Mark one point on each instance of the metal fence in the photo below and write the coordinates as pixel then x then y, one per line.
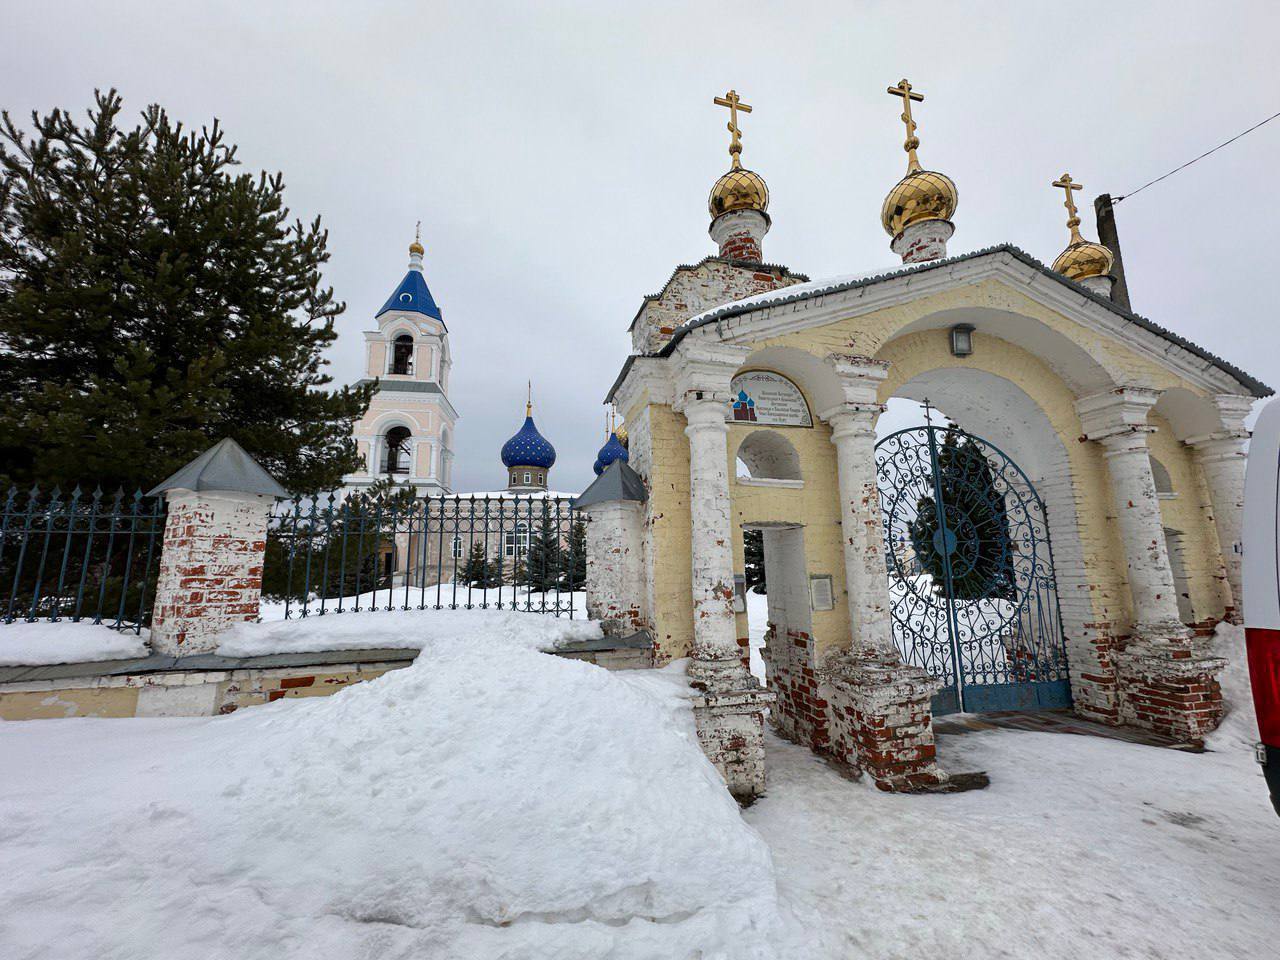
pixel 402 552
pixel 78 557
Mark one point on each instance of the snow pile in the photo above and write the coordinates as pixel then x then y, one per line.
pixel 399 630
pixel 25 644
pixel 489 801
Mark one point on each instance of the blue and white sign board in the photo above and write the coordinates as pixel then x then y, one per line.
pixel 769 399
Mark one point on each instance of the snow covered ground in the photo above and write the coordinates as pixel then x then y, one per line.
pixel 1081 847
pixel 492 801
pixel 25 644
pixel 489 801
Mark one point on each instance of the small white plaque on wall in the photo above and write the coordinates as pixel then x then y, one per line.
pixel 821 595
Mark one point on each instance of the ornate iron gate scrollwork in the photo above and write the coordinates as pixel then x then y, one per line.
pixel 973 596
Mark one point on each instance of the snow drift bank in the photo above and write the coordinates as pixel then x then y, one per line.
pixel 488 801
pixel 399 630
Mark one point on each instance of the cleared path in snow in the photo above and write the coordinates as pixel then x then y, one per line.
pixel 1080 848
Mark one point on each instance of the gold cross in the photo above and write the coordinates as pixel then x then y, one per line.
pixel 734 103
pixel 1073 221
pixel 417 232
pixel 903 90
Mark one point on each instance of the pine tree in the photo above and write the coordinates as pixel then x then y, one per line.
pixel 753 553
pixel 542 565
pixel 573 566
pixel 982 554
pixel 154 300
pixel 478 570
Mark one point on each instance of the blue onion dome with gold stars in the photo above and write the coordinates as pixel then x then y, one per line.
pixel 611 451
pixel 528 448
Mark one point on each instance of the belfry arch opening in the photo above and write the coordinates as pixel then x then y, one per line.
pixel 767 455
pixel 398 453
pixel 402 355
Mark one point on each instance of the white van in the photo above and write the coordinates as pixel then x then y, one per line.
pixel 1261 544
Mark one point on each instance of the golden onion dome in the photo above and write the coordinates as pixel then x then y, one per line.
pixel 739 189
pixel 417 248
pixel 1083 260
pixel 920 195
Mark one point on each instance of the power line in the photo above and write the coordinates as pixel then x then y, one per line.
pixel 1201 157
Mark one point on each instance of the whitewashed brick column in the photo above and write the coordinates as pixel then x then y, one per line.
pixel 853 431
pixel 854 435
pixel 1118 421
pixel 210 568
pixel 717 659
pixel 1166 679
pixel 1221 456
pixel 879 709
pixel 1151 586
pixel 615 571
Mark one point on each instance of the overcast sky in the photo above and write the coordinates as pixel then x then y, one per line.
pixel 559 155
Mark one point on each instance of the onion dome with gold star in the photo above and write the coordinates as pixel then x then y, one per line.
pixel 740 188
pixel 613 448
pixel 528 448
pixel 921 194
pixel 1083 259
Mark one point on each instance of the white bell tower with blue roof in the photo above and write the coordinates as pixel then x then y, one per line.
pixel 407 433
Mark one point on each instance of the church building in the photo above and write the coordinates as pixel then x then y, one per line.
pixel 406 435
pixel 1064 534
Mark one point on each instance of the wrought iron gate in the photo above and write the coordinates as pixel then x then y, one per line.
pixel 973 595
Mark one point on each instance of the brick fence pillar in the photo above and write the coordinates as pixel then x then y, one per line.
pixel 615 571
pixel 214 540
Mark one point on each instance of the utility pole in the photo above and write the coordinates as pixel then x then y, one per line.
pixel 1104 210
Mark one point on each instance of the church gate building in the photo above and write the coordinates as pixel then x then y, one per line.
pixel 1062 532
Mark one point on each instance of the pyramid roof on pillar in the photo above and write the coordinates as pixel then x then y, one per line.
pixel 414 296
pixel 618 482
pixel 1008 254
pixel 225 467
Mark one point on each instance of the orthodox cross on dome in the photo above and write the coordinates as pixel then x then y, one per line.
pixel 903 90
pixel 734 103
pixel 528 403
pixel 1073 221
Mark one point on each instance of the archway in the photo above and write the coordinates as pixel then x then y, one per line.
pixel 973 598
pixel 1004 415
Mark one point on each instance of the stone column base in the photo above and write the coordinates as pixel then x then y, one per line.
pixel 731 734
pixel 1170 688
pixel 881 721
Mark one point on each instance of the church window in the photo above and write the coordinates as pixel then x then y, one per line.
pixel 402 354
pixel 516 542
pixel 528 477
pixel 457 548
pixel 541 477
pixel 398 451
